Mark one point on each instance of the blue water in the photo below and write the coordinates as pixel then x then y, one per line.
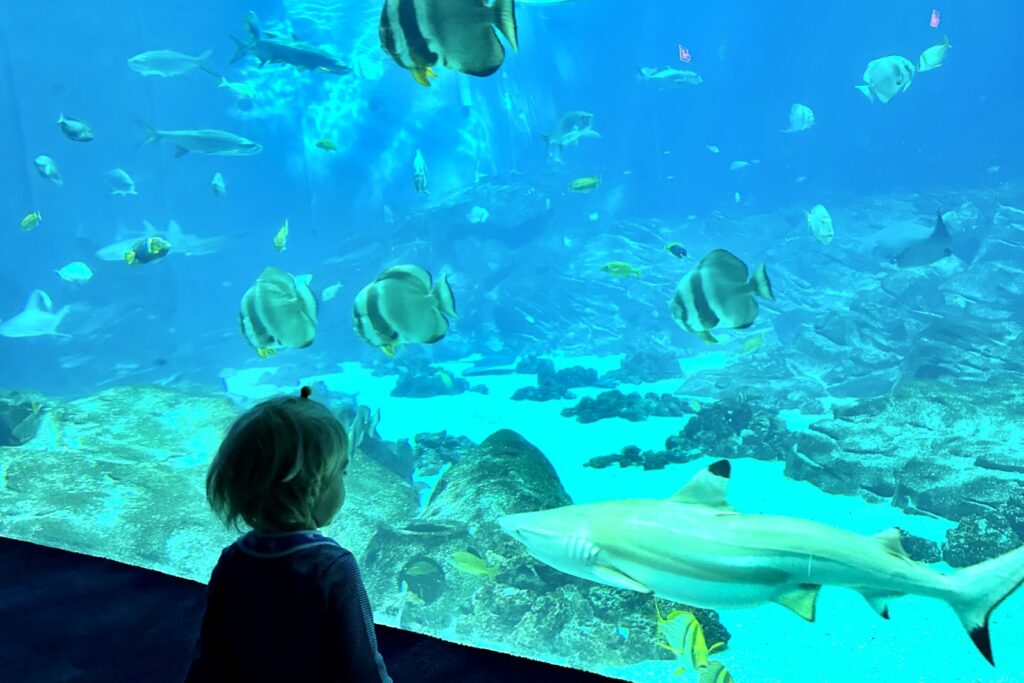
pixel 756 61
pixel 528 279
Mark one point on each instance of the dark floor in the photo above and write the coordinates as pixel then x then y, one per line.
pixel 73 618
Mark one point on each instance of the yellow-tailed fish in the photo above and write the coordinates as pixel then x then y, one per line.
pixel 620 269
pixel 684 636
pixel 716 673
pixel 752 344
pixel 585 184
pixel 281 238
pixel 327 145
pixel 31 221
pixel 265 352
pixel 471 564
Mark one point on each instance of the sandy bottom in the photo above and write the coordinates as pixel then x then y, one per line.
pixel 923 640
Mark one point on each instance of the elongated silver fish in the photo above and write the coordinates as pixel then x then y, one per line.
pixel 168 63
pixel 275 49
pixel 202 141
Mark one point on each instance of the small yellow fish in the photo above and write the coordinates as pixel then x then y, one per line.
pixel 694 405
pixel 585 184
pixel 684 636
pixel 620 269
pixel 265 352
pixel 327 145
pixel 31 221
pixel 473 565
pixel 752 344
pixel 281 238
pixel 716 673
pixel 446 379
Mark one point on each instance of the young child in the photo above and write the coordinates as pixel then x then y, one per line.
pixel 284 603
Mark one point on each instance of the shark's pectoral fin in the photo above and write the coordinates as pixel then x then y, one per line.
pixel 801 600
pixel 879 602
pixel 708 487
pixel 892 539
pixel 613 577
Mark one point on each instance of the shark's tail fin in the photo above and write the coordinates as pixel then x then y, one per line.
pixel 152 134
pixel 979 589
pixel 241 50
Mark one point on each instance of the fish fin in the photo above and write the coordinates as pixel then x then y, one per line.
pixel 941 231
pixel 892 540
pixel 444 297
pixel 152 134
pixel 707 487
pixel 389 349
pixel 421 76
pixel 505 20
pixel 762 286
pixel 979 589
pixel 880 602
pixel 201 62
pixel 707 337
pixel 614 577
pixel 945 41
pixel 39 300
pixel 801 600
pixel 180 152
pixel 241 49
pixel 868 93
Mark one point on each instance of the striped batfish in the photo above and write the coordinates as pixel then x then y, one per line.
pixel 719 292
pixel 278 311
pixel 403 305
pixel 458 34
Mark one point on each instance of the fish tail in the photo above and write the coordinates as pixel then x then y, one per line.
pixel 201 61
pixel 760 283
pixel 241 49
pixel 444 297
pixel 505 20
pixel 152 134
pixel 867 92
pixel 977 590
pixel 945 41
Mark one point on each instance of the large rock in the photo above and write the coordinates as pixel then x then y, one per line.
pixel 20 415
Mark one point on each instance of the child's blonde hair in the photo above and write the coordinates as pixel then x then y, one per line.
pixel 274 462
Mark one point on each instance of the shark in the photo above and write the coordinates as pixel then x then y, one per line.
pixel 695 549
pixel 278 49
pixel 938 245
pixel 36 320
pixel 182 243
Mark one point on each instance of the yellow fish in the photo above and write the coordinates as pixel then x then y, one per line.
pixel 31 221
pixel 585 184
pixel 752 344
pixel 446 379
pixel 281 238
pixel 471 564
pixel 716 673
pixel 620 269
pixel 265 352
pixel 327 145
pixel 684 636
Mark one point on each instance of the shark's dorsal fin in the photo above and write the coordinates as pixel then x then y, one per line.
pixel 891 539
pixel 708 487
pixel 941 232
pixel 39 300
pixel 802 600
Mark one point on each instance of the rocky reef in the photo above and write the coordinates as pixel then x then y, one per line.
pixel 20 416
pixel 643 365
pixel 551 384
pixel 634 407
pixel 419 379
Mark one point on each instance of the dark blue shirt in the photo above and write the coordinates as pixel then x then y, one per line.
pixel 287 607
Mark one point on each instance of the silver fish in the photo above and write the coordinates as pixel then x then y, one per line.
pixel 275 49
pixel 203 141
pixel 168 63
pixel 75 129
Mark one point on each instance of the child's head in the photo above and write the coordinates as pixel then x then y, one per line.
pixel 280 467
